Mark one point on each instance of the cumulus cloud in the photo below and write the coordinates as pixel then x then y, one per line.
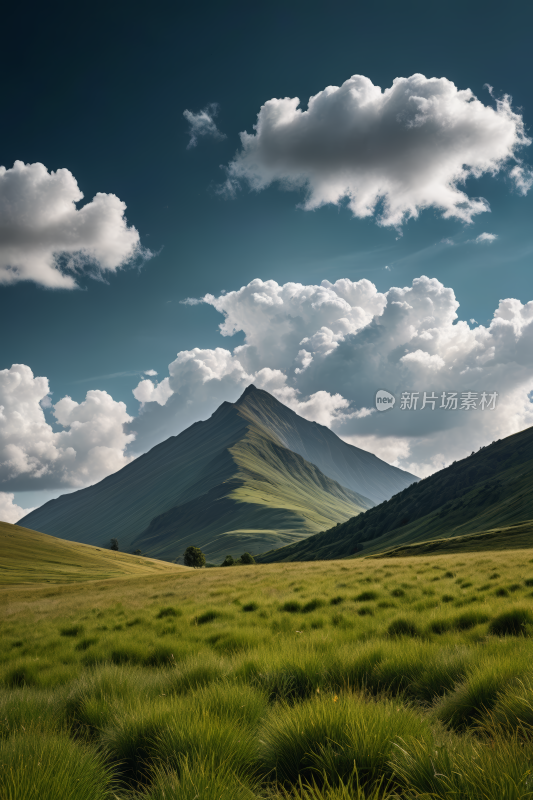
pixel 89 444
pixel 203 124
pixel 326 349
pixel 45 238
pixel 9 510
pixel 404 149
pixel 485 238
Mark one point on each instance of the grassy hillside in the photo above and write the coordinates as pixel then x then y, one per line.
pixel 32 557
pixel 489 489
pixel 514 537
pixel 273 681
pixel 254 476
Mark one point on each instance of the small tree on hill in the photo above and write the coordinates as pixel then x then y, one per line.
pixel 247 558
pixel 229 561
pixel 114 544
pixel 193 557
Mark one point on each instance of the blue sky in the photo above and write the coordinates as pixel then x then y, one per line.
pixel 102 92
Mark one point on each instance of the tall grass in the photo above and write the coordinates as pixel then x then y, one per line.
pixel 328 737
pixel 271 683
pixel 50 766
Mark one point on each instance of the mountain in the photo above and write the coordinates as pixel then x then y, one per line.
pixel 32 557
pixel 489 492
pixel 254 476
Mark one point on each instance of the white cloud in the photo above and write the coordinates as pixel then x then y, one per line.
pixel 46 239
pixel 9 510
pixel 89 445
pixel 149 392
pixel 151 372
pixel 523 178
pixel 422 361
pixel 486 238
pixel 203 124
pixel 325 350
pixel 409 147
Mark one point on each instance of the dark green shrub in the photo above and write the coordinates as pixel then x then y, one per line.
pixel 440 626
pixel 511 623
pixel 169 612
pixel 84 644
pixel 193 557
pixel 73 630
pixel 250 607
pixel 292 606
pixel 501 592
pixel 229 561
pixel 23 675
pixel 366 597
pixel 403 627
pixel 207 616
pixel 247 558
pixel 469 620
pixel 335 601
pixel 312 605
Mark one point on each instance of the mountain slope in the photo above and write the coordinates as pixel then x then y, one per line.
pixel 32 557
pixel 224 483
pixel 273 497
pixel 358 470
pixel 489 489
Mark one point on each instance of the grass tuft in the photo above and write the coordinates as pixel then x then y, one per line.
pixel 403 627
pixel 511 623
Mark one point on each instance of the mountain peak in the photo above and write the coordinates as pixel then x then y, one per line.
pixel 248 391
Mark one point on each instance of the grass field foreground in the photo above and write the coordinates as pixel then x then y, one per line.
pixel 393 678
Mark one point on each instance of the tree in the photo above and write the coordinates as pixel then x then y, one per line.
pixel 247 558
pixel 114 544
pixel 229 561
pixel 137 553
pixel 193 557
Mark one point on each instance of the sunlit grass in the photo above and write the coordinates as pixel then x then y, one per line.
pixel 403 678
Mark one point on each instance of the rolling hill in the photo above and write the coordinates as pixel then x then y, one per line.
pixel 254 476
pixel 32 557
pixel 488 492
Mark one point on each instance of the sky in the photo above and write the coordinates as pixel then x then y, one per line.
pixel 324 199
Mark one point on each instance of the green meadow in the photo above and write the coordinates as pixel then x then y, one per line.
pixel 371 678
